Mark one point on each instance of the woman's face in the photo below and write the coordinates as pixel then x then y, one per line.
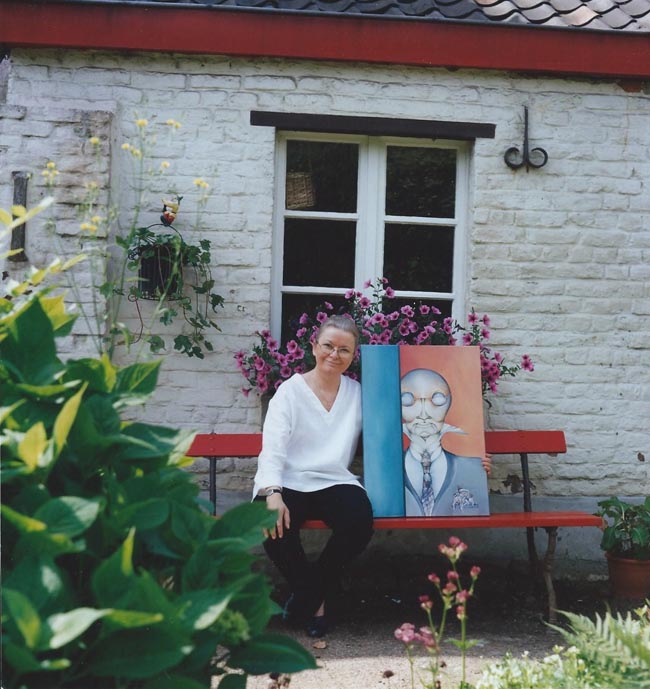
pixel 334 350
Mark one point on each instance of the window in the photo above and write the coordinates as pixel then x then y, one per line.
pixel 351 208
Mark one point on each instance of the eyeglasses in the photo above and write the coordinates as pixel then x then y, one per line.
pixel 343 352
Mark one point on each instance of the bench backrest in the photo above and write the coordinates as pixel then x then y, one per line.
pixel 496 443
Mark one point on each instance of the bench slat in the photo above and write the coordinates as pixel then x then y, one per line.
pixel 495 521
pixel 527 442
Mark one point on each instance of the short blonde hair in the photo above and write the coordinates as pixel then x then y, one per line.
pixel 340 322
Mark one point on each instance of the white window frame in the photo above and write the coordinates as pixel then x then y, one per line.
pixel 371 216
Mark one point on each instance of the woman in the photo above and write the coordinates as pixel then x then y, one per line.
pixel 309 439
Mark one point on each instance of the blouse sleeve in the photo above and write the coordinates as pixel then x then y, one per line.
pixel 275 439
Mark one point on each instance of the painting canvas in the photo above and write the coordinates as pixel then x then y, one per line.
pixel 423 431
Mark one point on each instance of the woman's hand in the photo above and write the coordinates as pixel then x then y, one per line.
pixel 275 502
pixel 487 463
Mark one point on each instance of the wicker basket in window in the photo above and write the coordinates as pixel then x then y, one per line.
pixel 300 191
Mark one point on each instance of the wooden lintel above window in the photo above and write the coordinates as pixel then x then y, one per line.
pixel 373 126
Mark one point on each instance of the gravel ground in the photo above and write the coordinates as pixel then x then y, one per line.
pixel 507 615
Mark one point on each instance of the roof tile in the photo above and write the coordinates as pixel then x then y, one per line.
pixel 605 15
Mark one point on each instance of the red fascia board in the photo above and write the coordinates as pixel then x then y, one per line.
pixel 194 29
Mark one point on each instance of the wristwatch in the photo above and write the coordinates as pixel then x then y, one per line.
pixel 270 491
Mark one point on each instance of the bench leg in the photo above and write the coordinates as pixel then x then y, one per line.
pixel 212 484
pixel 547 572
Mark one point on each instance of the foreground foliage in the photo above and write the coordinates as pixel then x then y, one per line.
pixel 113 574
pixel 609 652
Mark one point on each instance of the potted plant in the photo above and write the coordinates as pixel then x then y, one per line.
pixel 626 542
pixel 171 269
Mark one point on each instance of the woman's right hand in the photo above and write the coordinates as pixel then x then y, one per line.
pixel 275 502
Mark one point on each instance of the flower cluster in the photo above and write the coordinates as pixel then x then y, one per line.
pixel 452 594
pixel 269 363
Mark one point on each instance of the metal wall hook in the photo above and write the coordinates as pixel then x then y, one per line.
pixel 531 157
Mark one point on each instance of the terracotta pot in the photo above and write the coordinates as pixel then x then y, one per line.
pixel 629 578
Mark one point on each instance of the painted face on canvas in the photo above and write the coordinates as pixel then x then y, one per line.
pixel 425 399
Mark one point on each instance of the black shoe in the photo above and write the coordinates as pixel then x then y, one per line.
pixel 317 627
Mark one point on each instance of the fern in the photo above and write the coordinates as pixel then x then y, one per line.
pixel 616 649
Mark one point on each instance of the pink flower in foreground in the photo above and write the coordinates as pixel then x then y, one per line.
pixel 474 572
pixel 486 320
pixel 292 346
pixel 304 319
pixel 328 306
pixel 321 316
pixel 349 294
pixel 424 309
pixel 434 579
pixel 467 338
pixel 405 633
pixel 367 283
pixel 390 292
pixel 364 302
pixel 485 333
pixel 425 636
pixel 407 311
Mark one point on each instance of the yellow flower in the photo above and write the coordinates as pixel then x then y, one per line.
pixel 51 166
pixel 88 227
pixel 91 185
pixel 201 183
pixel 173 123
pixel 126 147
pixel 96 219
pixel 136 152
pixel 94 140
pixel 142 122
pixel 164 165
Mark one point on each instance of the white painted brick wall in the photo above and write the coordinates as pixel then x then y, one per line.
pixel 558 256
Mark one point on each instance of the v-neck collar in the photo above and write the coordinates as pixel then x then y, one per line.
pixel 314 396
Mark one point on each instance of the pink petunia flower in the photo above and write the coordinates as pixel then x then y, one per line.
pixel 527 363
pixel 390 292
pixel 472 318
pixel 367 283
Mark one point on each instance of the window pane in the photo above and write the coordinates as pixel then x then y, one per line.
pixel 318 253
pixel 322 176
pixel 420 182
pixel 294 305
pixel 419 257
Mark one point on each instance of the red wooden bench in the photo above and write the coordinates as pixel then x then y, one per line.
pixel 214 446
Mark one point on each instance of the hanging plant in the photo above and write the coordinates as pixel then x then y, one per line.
pixel 173 270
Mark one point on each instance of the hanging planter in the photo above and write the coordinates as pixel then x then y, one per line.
pixel 170 269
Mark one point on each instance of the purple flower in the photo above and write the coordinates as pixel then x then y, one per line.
pixel 472 318
pixel 367 283
pixel 292 345
pixel 364 302
pixel 486 319
pixel 285 371
pixel 304 319
pixel 300 332
pixel 424 309
pixel 485 333
pixel 390 292
pixel 328 306
pixel 349 294
pixel 384 281
pixel 393 316
pixel 404 329
pixel 407 311
pixel 321 317
pixel 526 363
pixel 467 339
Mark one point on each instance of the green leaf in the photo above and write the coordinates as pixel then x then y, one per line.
pixel 62 628
pixel 29 344
pixel 145 441
pixel 38 577
pixel 271 653
pixel 131 654
pixel 24 615
pixel 69 515
pixel 144 515
pixel 233 681
pixel 23 523
pixel 139 379
pixel 62 320
pixel 133 618
pixel 200 609
pixel 115 575
pixel 173 681
pixel 65 419
pixel 245 521
pixel 33 445
pixel 99 374
pixel 23 660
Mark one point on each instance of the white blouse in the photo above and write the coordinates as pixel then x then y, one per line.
pixel 304 446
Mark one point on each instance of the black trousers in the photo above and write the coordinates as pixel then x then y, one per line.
pixel 347 511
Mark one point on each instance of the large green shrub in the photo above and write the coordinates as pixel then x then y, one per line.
pixel 113 574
